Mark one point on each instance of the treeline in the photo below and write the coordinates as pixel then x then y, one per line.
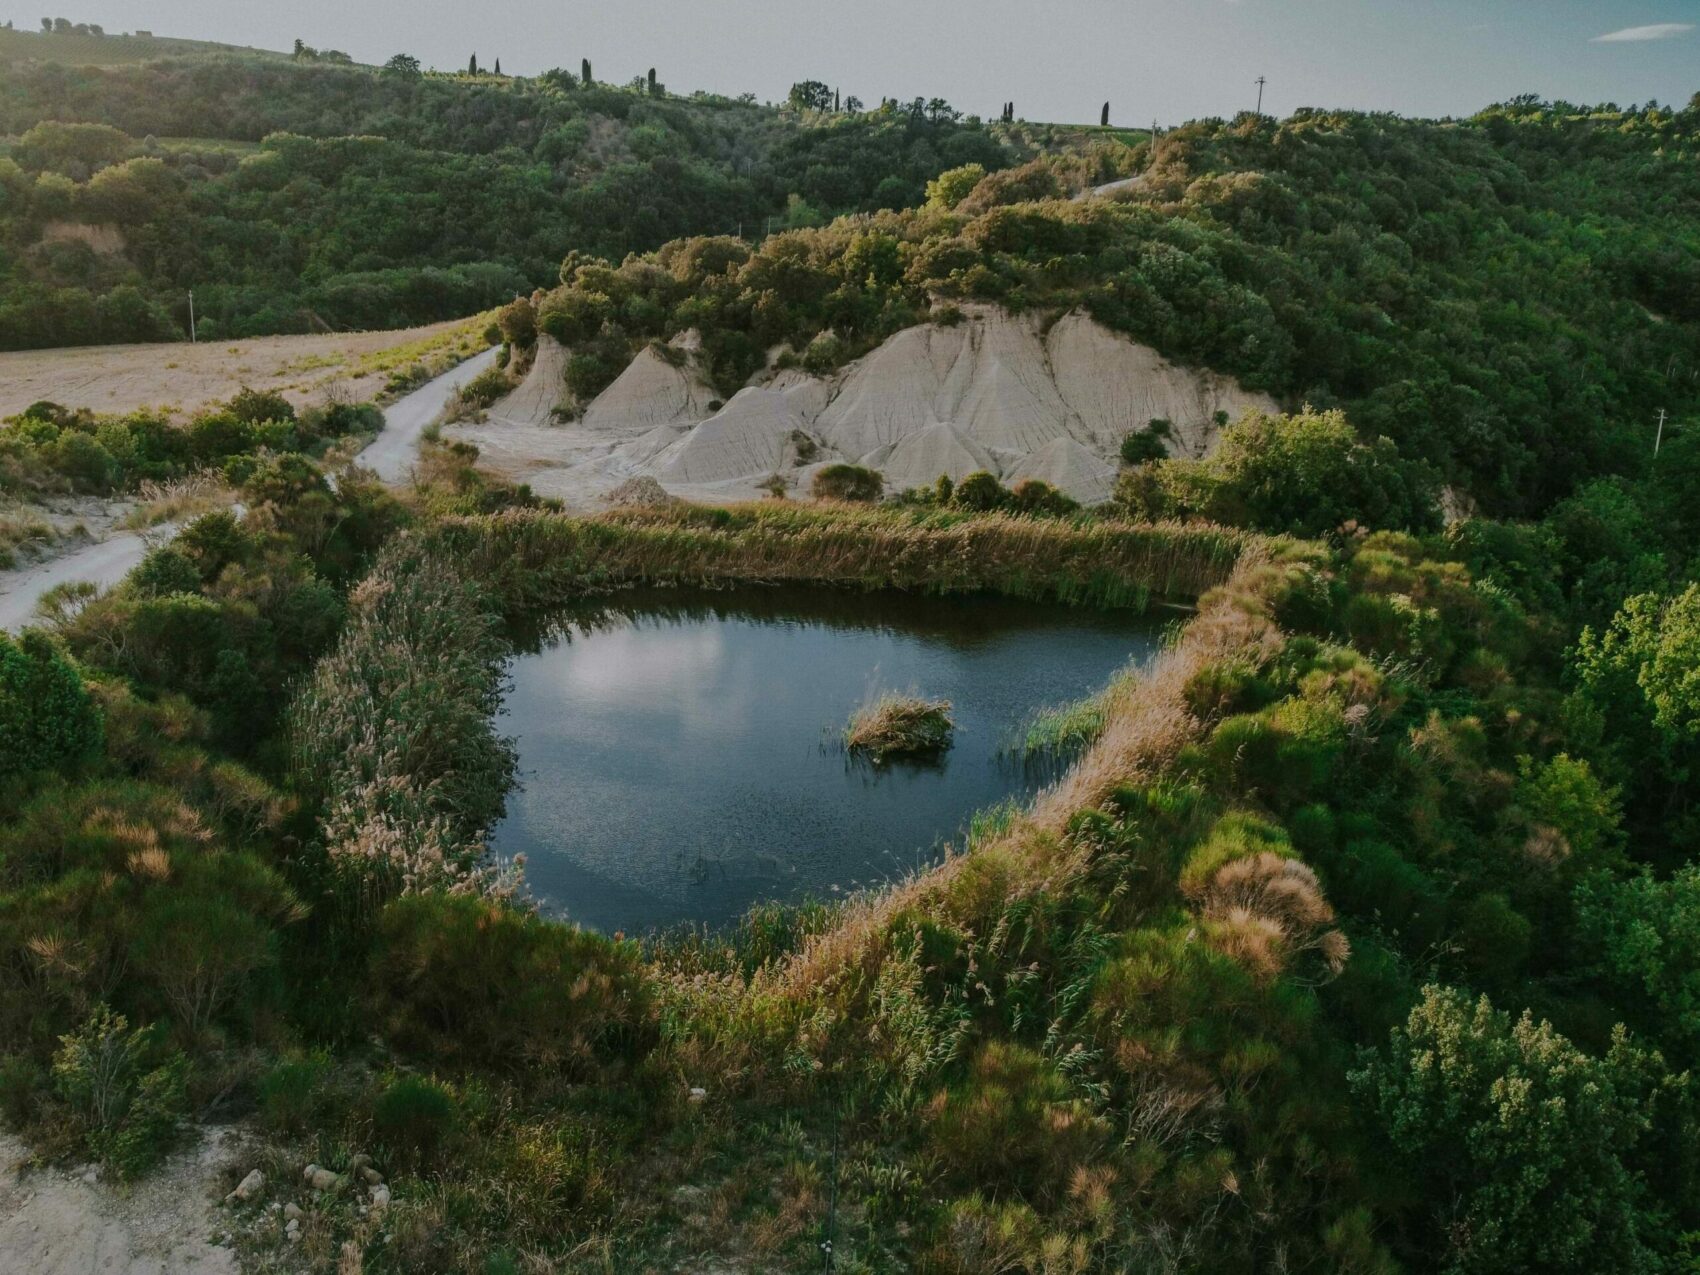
pixel 379 200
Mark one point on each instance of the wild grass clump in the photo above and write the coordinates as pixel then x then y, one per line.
pixel 897 725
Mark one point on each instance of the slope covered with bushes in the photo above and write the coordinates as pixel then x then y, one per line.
pixel 294 196
pixel 1510 298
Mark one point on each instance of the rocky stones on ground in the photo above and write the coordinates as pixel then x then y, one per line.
pixel 292 1212
pixel 250 1186
pixel 370 1176
pixel 320 1179
pixel 698 1094
pixel 380 1197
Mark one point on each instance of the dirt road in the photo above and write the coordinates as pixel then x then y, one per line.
pixel 108 561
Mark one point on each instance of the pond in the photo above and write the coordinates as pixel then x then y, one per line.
pixel 680 753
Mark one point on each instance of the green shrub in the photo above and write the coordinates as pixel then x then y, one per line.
pixel 847 482
pixel 23 1085
pixel 164 571
pixel 1013 1126
pixel 127 1095
pixel 414 1117
pixel 217 435
pixel 294 1093
pixel 1034 497
pixel 1528 1137
pixel 468 980
pixel 981 492
pixel 81 459
pixel 47 720
pixel 1144 445
pixel 255 406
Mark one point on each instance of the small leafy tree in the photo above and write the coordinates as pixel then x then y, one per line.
pixel 980 491
pixel 952 186
pixel 403 66
pixel 848 482
pixel 1527 1137
pixel 47 720
pixel 809 95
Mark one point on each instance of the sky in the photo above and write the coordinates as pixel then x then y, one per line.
pixel 1058 60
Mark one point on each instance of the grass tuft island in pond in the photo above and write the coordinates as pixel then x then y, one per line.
pixel 897 726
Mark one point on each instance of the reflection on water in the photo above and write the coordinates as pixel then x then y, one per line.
pixel 679 754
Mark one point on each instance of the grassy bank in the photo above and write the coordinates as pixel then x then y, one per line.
pixel 532 559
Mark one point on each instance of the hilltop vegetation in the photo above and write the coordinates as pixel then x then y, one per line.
pixel 1510 299
pixel 293 196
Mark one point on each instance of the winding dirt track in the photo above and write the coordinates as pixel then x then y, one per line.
pixel 108 561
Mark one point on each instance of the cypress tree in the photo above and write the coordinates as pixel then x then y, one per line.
pixel 584 72
pixel 1104 119
pixel 472 66
pixel 652 81
pixel 498 67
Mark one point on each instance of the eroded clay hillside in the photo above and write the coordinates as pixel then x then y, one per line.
pixel 992 391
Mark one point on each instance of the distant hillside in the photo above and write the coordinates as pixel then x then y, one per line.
pixel 383 199
pixel 111 49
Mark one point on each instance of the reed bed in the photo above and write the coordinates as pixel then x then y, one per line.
pixel 536 559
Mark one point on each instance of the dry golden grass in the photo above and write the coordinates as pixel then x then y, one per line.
pixel 897 725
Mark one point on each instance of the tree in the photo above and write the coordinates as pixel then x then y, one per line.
pixel 497 69
pixel 584 71
pixel 853 104
pixel 472 66
pixel 47 26
pixel 652 84
pixel 1104 117
pixel 1525 1138
pixel 848 482
pixel 952 186
pixel 47 721
pixel 809 95
pixel 403 66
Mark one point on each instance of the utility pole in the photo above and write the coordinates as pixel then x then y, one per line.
pixel 192 339
pixel 1260 95
pixel 1660 436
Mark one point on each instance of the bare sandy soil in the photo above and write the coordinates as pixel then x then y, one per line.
pixel 122 378
pixel 994 392
pixel 58 1223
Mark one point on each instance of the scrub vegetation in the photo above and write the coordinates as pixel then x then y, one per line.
pixel 1360 936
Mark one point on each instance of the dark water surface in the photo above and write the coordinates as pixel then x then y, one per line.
pixel 680 756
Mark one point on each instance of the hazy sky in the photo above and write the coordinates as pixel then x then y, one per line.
pixel 1058 59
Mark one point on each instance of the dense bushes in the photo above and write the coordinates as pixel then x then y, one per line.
pixel 1303 475
pixel 337 195
pixel 471 981
pixel 393 735
pixel 49 446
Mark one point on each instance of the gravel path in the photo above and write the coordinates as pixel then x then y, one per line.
pixel 55 1223
pixel 391 453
